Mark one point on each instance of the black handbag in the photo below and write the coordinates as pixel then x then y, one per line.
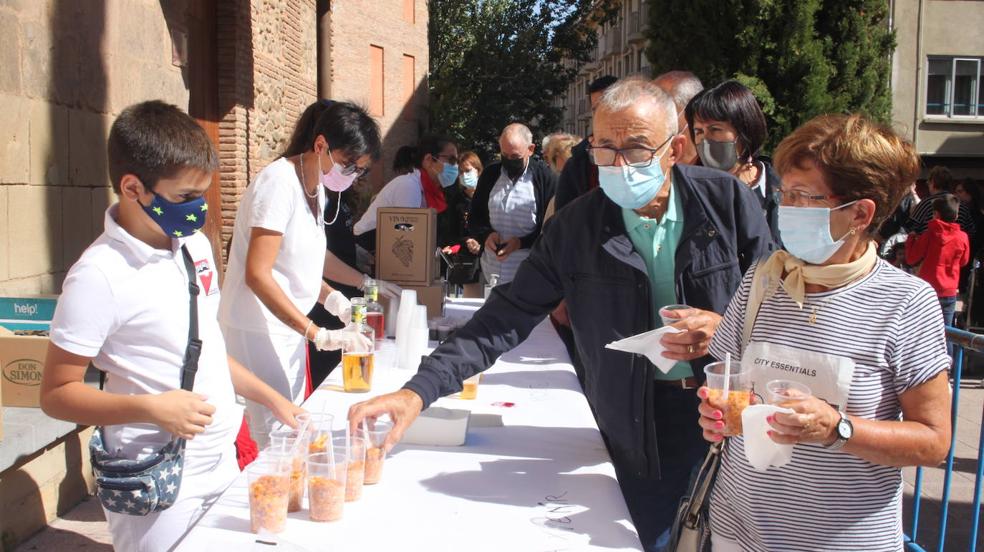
pixel 150 485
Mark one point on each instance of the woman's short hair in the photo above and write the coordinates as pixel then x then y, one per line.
pixel 472 159
pixel 559 146
pixel 942 178
pixel 859 159
pixel 349 128
pixel 733 103
pixel 403 159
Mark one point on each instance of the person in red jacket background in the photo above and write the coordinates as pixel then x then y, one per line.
pixel 942 249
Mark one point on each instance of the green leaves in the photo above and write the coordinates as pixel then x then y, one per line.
pixel 497 61
pixel 802 58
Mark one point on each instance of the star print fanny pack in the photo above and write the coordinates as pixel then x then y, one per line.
pixel 142 487
pixel 137 487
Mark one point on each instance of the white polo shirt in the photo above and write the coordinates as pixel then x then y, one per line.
pixel 275 201
pixel 125 305
pixel 403 191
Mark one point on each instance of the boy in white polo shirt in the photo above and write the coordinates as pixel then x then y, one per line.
pixel 125 307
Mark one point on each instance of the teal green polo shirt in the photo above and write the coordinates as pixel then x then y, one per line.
pixel 656 242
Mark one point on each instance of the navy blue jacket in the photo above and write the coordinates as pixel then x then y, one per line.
pixel 585 257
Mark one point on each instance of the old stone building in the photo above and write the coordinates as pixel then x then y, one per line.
pixel 244 69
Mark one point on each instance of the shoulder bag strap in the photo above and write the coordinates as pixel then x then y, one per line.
pixel 194 348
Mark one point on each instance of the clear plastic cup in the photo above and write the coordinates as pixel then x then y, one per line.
pixel 469 387
pixel 782 391
pixel 269 482
pixel 666 319
pixel 739 393
pixel 293 446
pixel 319 432
pixel 355 451
pixel 376 434
pixel 326 485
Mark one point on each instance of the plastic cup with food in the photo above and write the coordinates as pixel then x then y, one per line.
pixel 354 449
pixel 782 391
pixel 269 481
pixel 376 434
pixel 326 485
pixel 739 393
pixel 293 445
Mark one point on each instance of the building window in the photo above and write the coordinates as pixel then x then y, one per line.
pixel 954 87
pixel 408 11
pixel 376 89
pixel 409 85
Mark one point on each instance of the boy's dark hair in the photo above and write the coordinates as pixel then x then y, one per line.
pixel 947 207
pixel 154 140
pixel 941 178
pixel 348 128
pixel 731 102
pixel 600 84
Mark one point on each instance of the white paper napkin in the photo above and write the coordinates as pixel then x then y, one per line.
pixel 647 344
pixel 761 451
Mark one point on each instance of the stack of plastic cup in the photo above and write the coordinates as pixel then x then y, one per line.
pixel 404 320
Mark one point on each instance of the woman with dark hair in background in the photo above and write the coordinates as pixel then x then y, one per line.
pixel 274 275
pixel 728 128
pixel 403 160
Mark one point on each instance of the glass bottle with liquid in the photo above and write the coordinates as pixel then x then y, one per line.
pixel 357 366
pixel 374 311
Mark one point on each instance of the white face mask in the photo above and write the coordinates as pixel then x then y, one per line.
pixel 805 232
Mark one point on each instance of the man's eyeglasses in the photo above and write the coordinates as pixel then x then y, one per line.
pixel 637 156
pixel 799 198
pixel 450 159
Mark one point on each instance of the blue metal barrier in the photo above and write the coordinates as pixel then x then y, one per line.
pixel 961 340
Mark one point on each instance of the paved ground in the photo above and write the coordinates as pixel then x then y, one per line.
pixel 84 528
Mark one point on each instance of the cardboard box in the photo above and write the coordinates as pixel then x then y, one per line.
pixel 406 246
pixel 22 357
pixel 474 291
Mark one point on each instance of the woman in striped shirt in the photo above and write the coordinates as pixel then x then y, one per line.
pixel 865 337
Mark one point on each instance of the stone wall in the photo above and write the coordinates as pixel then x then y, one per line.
pixel 267 76
pixel 66 69
pixel 353 30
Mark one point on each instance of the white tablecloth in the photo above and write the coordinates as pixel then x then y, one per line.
pixel 532 476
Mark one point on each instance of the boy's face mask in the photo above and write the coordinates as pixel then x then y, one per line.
pixel 177 220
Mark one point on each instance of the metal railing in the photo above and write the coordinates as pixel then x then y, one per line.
pixel 961 341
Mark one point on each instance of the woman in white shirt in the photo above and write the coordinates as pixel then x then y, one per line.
pixel 277 258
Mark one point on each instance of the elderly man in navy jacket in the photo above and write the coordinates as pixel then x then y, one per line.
pixel 655 233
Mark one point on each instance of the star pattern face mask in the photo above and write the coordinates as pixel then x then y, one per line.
pixel 178 220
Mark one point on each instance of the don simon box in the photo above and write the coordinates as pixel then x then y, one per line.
pixel 406 246
pixel 22 356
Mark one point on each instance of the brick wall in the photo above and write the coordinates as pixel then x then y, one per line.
pixel 354 29
pixel 267 76
pixel 66 69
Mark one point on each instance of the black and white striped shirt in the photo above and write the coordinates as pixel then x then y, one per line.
pixel 923 213
pixel 891 325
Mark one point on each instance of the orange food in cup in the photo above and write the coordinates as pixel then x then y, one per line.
pixel 374 465
pixel 737 401
pixel 268 497
pixel 354 480
pixel 326 497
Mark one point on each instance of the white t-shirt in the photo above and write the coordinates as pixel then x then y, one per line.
pixel 275 201
pixel 403 191
pixel 125 305
pixel 890 324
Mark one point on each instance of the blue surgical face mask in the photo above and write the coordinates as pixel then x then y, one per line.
pixel 178 220
pixel 805 232
pixel 469 179
pixel 448 175
pixel 632 187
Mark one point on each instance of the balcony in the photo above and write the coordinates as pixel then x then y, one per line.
pixel 638 22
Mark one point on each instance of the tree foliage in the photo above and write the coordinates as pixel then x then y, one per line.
pixel 802 58
pixel 497 61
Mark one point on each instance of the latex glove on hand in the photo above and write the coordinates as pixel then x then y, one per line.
pixel 346 340
pixel 337 304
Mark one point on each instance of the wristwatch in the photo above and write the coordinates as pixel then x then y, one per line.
pixel 845 429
